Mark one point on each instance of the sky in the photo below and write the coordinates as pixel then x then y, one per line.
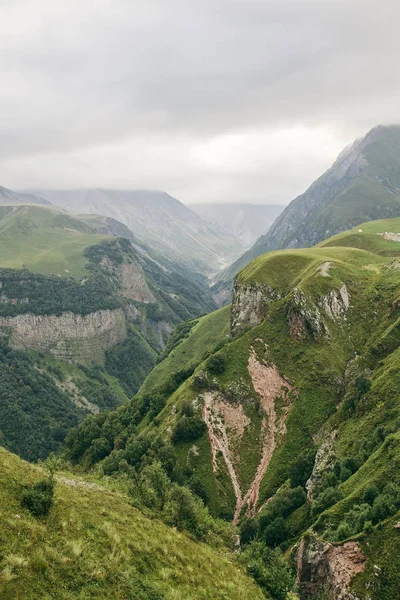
pixel 210 100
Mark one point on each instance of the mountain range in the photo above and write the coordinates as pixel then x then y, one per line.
pixel 159 220
pixel 363 184
pixel 190 451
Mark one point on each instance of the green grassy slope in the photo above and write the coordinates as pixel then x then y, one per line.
pixel 95 545
pixel 190 351
pixel 344 368
pixel 362 185
pixel 45 240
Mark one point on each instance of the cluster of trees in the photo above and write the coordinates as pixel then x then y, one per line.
pixel 23 291
pixel 130 361
pixel 35 415
pixel 375 506
pixel 115 432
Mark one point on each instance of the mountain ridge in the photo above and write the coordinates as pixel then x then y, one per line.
pixel 362 184
pixel 159 220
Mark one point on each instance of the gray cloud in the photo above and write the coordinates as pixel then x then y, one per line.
pixel 223 100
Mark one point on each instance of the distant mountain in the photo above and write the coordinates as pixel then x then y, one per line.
pixel 158 219
pixel 362 185
pixel 244 221
pixel 10 197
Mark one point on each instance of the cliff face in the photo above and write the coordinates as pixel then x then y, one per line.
pixel 250 304
pixel 70 336
pixel 324 570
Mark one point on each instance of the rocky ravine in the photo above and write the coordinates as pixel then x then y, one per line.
pixel 227 422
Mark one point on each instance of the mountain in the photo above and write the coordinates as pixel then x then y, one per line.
pixel 8 197
pixel 160 221
pixel 83 319
pixel 362 185
pixel 282 412
pixel 95 544
pixel 245 222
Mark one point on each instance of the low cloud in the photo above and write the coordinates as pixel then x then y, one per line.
pixel 245 100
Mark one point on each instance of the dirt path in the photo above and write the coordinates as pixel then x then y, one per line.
pixel 84 484
pixel 270 386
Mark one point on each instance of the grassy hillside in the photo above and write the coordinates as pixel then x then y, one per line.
pixel 45 240
pixel 94 544
pixel 189 348
pixel 294 421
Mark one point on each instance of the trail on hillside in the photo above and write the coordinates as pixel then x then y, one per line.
pixel 226 421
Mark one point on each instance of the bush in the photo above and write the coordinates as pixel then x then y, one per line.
pixel 248 530
pixel 300 471
pixel 216 364
pixel 269 570
pixel 275 533
pixel 200 381
pixel 189 429
pixel 370 493
pixel 328 498
pixel 38 498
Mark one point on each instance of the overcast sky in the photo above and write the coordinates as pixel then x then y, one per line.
pixel 210 100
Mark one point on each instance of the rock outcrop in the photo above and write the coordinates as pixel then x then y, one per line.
pixel 336 303
pixel 250 304
pixel 324 461
pixel 324 570
pixel 304 317
pixel 70 336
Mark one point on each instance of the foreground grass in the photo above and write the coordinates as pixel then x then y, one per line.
pixel 95 545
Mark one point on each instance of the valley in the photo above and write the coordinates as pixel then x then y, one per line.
pixel 260 438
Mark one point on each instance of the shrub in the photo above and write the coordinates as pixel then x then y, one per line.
pixel 275 533
pixel 370 493
pixel 300 471
pixel 189 429
pixel 328 498
pixel 248 530
pixel 216 364
pixel 269 570
pixel 38 498
pixel 200 381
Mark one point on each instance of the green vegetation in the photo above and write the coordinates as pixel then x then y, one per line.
pixel 45 240
pixel 41 399
pixel 94 544
pixel 200 339
pixel 38 497
pixel 344 369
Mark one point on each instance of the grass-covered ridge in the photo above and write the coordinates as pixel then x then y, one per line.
pixel 332 334
pixel 45 240
pixel 94 544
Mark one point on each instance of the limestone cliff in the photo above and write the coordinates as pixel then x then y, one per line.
pixel 250 304
pixel 70 336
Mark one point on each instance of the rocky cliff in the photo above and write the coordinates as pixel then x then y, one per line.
pixel 250 304
pixel 70 336
pixel 326 571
